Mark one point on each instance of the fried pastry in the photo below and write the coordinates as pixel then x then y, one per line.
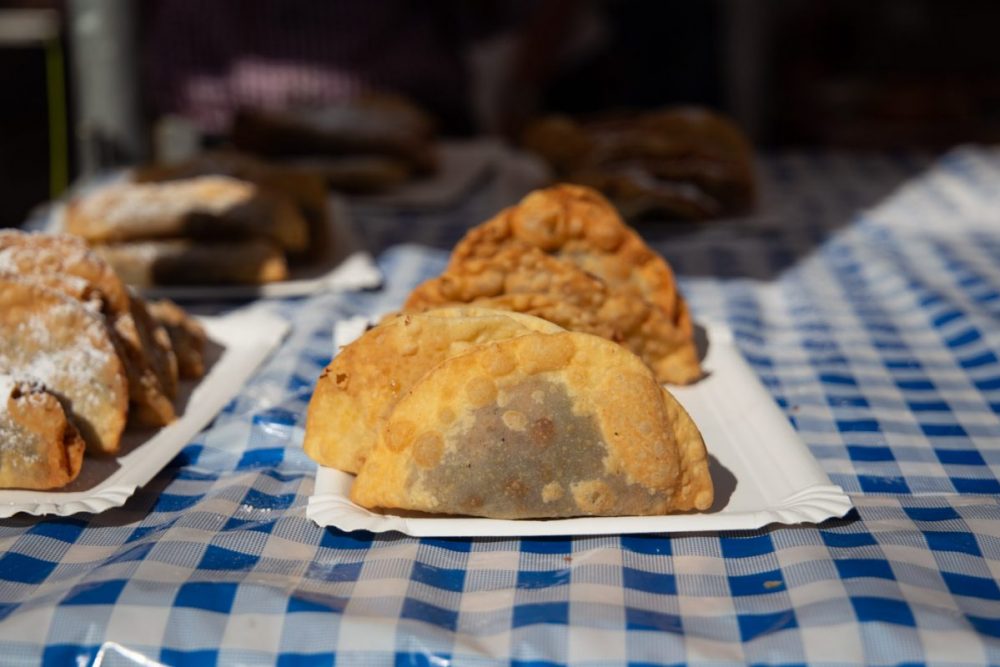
pixel 158 344
pixel 72 286
pixel 183 262
pixel 138 346
pixel 538 426
pixel 66 264
pixel 579 225
pixel 682 163
pixel 522 278
pixel 187 337
pixel 302 185
pixel 207 207
pixel 39 254
pixel 55 339
pixel 358 389
pixel 150 364
pixel 40 448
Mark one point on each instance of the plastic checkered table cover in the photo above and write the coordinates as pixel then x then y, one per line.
pixel 865 293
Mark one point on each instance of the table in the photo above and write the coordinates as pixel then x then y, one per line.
pixel 865 292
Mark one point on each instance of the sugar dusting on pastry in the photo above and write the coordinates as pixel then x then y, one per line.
pixel 52 363
pixel 75 348
pixel 14 441
pixel 56 340
pixel 129 208
pixel 7 384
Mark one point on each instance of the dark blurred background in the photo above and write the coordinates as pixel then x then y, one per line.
pixel 86 84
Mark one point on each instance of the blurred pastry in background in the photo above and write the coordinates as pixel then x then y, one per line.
pixel 202 230
pixel 564 254
pixel 366 145
pixel 178 262
pixel 360 174
pixel 304 187
pixel 206 207
pixel 676 163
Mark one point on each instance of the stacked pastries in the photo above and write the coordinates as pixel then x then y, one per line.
pixel 70 331
pixel 524 382
pixel 220 218
pixel 488 413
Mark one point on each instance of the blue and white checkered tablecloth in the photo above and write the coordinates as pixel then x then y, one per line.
pixel 869 310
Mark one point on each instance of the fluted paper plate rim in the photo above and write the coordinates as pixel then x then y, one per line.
pixel 757 460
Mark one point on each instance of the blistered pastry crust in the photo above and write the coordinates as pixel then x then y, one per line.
pixel 358 389
pixel 69 348
pixel 565 255
pixel 576 426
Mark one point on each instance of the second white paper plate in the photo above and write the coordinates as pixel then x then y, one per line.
pixel 762 471
pixel 238 343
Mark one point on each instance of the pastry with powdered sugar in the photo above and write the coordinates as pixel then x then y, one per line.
pixel 40 447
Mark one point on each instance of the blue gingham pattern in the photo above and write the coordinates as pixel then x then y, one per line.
pixel 868 311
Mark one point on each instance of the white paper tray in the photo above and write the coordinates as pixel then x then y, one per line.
pixel 347 266
pixel 239 342
pixel 763 472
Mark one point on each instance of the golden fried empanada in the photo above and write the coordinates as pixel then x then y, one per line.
pixel 149 365
pixel 579 225
pixel 55 339
pixel 569 245
pixel 41 448
pixel 538 426
pixel 523 278
pixel 358 389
